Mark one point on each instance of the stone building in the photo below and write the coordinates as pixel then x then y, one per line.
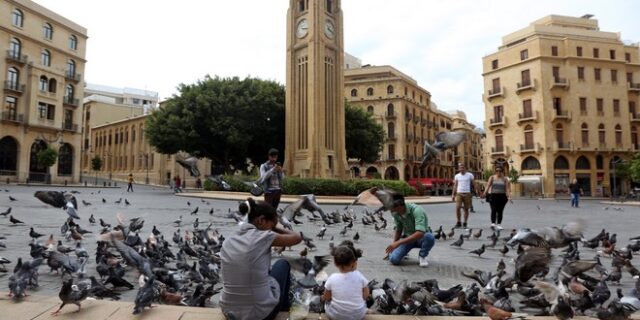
pixel 124 150
pixel 470 152
pixel 561 102
pixel 409 118
pixel 42 77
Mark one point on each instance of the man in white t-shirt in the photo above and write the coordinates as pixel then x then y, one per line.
pixel 462 193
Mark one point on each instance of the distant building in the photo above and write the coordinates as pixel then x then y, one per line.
pixel 141 98
pixel 561 102
pixel 42 73
pixel 352 62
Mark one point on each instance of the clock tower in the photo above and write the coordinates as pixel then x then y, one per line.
pixel 315 129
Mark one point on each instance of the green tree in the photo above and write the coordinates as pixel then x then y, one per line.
pixel 47 157
pixel 227 120
pixel 486 174
pixel 96 165
pixel 364 136
pixel 514 175
pixel 634 168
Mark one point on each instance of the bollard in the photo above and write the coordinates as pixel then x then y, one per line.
pixel 65 183
pixel 85 183
pixel 8 181
pixel 109 184
pixel 104 183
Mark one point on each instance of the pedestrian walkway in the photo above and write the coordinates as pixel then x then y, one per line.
pixel 40 307
pixel 239 196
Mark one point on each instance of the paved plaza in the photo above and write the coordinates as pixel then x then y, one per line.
pixel 158 206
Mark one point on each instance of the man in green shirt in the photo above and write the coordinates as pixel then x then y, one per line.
pixel 411 232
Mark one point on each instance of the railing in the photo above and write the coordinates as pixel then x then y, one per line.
pixel 72 76
pixel 498 150
pixel 69 126
pixel 16 56
pixel 391 137
pixel 390 115
pixel 527 116
pixel 495 92
pixel 416 119
pixel 561 115
pixel 71 101
pixel 423 122
pixel 498 121
pixel 12 116
pixel 562 145
pixel 634 86
pixel 525 85
pixel 635 117
pixel 528 147
pixel 14 86
pixel 560 82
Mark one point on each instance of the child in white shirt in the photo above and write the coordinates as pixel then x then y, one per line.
pixel 345 292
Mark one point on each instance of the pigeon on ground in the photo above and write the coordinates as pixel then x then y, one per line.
pixel 458 243
pixel 34 235
pixel 24 274
pixel 71 294
pixel 14 220
pixel 92 220
pixel 478 251
pixel 6 212
pixel 146 296
pixel 12 198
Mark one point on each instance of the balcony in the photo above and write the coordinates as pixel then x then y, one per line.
pixel 12 116
pixel 499 151
pixel 72 76
pixel 411 158
pixel 530 148
pixel 527 117
pixel 407 116
pixel 560 83
pixel 416 119
pixel 69 126
pixel 562 146
pixel 635 117
pixel 561 115
pixel 634 87
pixel 526 85
pixel 390 115
pixel 496 92
pixel 14 87
pixel 409 137
pixel 424 122
pixel 391 137
pixel 502 121
pixel 16 57
pixel 70 101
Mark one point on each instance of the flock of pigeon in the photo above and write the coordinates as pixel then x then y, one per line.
pixel 182 267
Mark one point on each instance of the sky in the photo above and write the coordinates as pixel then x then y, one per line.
pixel 156 45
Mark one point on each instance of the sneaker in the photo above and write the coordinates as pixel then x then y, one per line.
pixel 493 226
pixel 499 227
pixel 464 225
pixel 423 262
pixel 458 225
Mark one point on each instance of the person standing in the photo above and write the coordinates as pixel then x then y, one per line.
pixel 576 191
pixel 271 177
pixel 497 193
pixel 130 180
pixel 411 224
pixel 462 193
pixel 178 184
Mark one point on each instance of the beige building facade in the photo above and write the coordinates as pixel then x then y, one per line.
pixel 561 102
pixel 409 118
pixel 124 150
pixel 42 76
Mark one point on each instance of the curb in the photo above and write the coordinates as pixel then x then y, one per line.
pixel 63 186
pixel 628 203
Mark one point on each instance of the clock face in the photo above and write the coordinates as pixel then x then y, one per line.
pixel 302 29
pixel 329 29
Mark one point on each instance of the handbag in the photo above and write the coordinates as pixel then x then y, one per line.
pixel 488 198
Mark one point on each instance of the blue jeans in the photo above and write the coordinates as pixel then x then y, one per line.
pixel 425 244
pixel 575 198
pixel 281 271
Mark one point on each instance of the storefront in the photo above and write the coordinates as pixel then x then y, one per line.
pixel 562 184
pixel 532 186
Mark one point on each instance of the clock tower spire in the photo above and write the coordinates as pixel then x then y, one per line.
pixel 315 129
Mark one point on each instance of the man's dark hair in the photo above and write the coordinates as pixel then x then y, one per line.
pixel 273 152
pixel 344 256
pixel 261 208
pixel 398 200
pixel 243 207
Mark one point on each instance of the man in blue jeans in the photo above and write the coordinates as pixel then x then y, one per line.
pixel 411 232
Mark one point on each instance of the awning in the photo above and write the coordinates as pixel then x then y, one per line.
pixel 530 179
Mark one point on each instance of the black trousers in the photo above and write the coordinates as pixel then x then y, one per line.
pixel 498 201
pixel 272 197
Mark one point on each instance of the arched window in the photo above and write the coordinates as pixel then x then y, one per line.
pixel 47 31
pixel 370 91
pixel 65 160
pixel 17 18
pixel 8 155
pixel 68 92
pixel 13 77
pixel 370 109
pixel 15 48
pixel 634 137
pixel 585 135
pixel 71 68
pixel 559 135
pixel 391 129
pixel 390 111
pixel 73 42
pixel 528 137
pixel 45 58
pixel 52 85
pixel 618 134
pixel 530 163
pixel 44 84
pixel 599 162
pixel 499 144
pixel 561 163
pixel 601 134
pixel 389 89
pixel 354 92
pixel 583 163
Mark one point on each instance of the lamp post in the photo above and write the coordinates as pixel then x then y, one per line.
pixel 615 163
pixel 146 165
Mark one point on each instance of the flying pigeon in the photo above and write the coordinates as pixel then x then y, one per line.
pixel 444 141
pixel 190 164
pixel 59 200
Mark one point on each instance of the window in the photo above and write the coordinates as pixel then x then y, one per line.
pixel 599 162
pixel 600 106
pixel 561 163
pixel 392 152
pixel 494 64
pixel 557 105
pixel 524 54
pixel 583 106
pixel 499 142
pixel 45 58
pixel 559 135
pixel 554 51
pixel 370 91
pixel 13 78
pixel 627 57
pixel 528 137
pixel 583 163
pixel 390 110
pixel 596 53
pixel 601 133
pixel 329 6
pixel 11 106
pixel 526 78
pixel 44 84
pixel 68 117
pixel 52 85
pixel 555 71
pixel 389 89
pixel 614 76
pixel 133 135
pixel 15 48
pixel 632 107
pixel 526 108
pixel 634 137
pixel 580 73
pixel 71 68
pixel 612 54
pixel 630 77
pixel 135 101
pixel 579 51
pixel 530 163
pixel 498 112
pixel 17 18
pixel 596 73
pixel 585 135
pixel 391 130
pixel 301 5
pixel 495 83
pixel 618 134
pixel 47 31
pixel 354 92
pixel 616 107
pixel 370 109
pixel 42 110
pixel 68 92
pixel 73 42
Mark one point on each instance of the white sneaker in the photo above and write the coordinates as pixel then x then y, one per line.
pixel 499 227
pixel 493 226
pixel 423 262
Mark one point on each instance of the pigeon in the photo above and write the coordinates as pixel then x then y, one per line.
pixel 211 212
pixel 444 141
pixel 458 243
pixel 85 203
pixel 104 200
pixel 356 237
pixel 146 296
pixel 6 212
pixel 126 202
pixel 14 220
pixel 59 199
pixel 191 164
pixel 92 220
pixel 309 268
pixel 34 235
pixel 195 211
pixel 322 232
pixel 12 198
pixel 3 261
pixel 504 250
pixel 178 221
pixel 478 251
pixel 478 234
pixel 375 197
pixel 118 201
pixel 24 274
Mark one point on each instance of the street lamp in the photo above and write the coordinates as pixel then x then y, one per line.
pixel 146 165
pixel 615 163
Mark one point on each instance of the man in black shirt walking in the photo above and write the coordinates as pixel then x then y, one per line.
pixel 576 191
